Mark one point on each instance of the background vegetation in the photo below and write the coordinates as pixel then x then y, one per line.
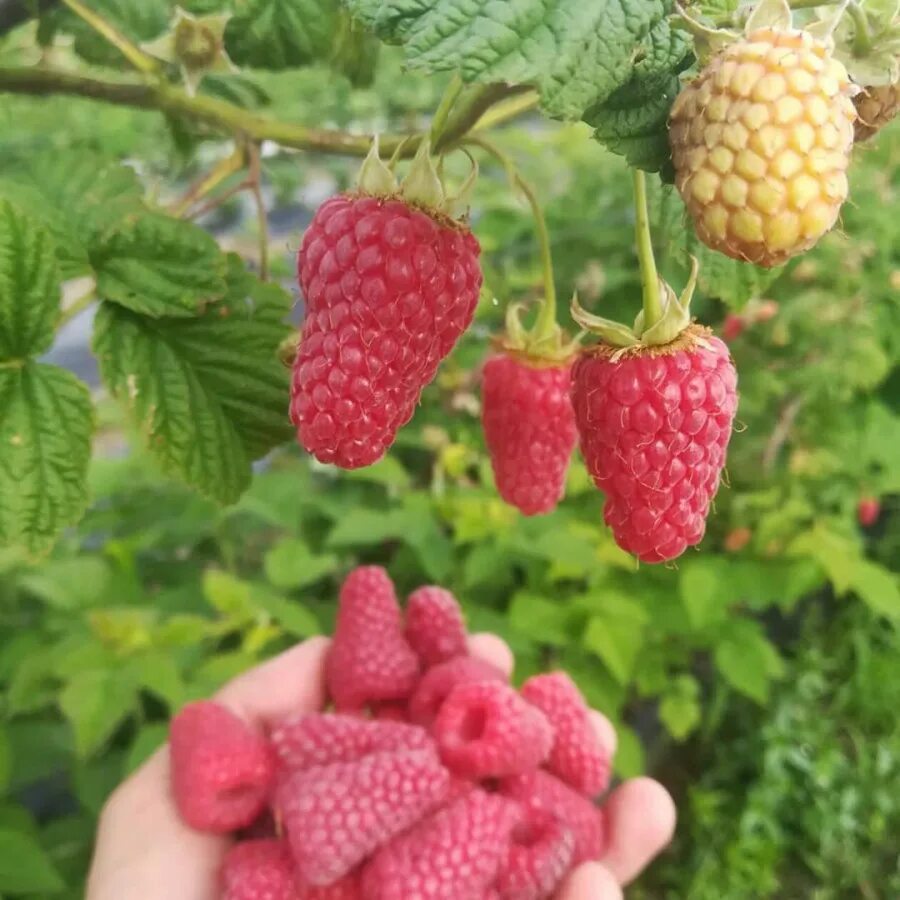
pixel 759 678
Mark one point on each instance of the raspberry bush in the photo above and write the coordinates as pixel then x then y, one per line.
pixel 272 296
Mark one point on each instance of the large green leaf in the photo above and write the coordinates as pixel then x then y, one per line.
pixel 209 393
pixel 25 867
pixel 575 52
pixel 29 285
pixel 46 421
pixel 726 279
pixel 632 121
pixel 159 266
pixel 96 703
pixel 281 34
pixel 75 197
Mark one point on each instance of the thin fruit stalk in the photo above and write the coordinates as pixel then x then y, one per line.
pixel 761 142
pixel 655 423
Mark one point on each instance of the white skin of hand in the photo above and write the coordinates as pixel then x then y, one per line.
pixel 144 850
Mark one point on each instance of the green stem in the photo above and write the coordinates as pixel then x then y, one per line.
pixel 442 113
pixel 228 118
pixel 143 62
pixel 79 304
pixel 546 320
pixel 652 301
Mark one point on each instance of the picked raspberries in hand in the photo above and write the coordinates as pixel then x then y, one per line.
pixel 390 285
pixel 761 142
pixel 654 424
pixel 529 427
pixel 491 797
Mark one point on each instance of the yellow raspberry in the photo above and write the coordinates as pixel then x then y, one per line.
pixel 761 141
pixel 876 106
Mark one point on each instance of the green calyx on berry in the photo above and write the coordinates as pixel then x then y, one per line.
pixel 422 185
pixel 545 344
pixel 194 43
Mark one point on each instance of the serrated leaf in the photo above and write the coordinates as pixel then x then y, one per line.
pixel 290 564
pixel 720 277
pixel 159 266
pixel 96 703
pixel 575 53
pixel 75 197
pixel 46 421
pixel 25 867
pixel 29 285
pixel 209 394
pixel 281 34
pixel 539 618
pixel 616 640
pixel 632 121
pixel 702 586
pixel 748 661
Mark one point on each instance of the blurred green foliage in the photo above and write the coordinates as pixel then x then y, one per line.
pixel 757 677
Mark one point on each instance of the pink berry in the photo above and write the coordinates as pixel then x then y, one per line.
pixel 435 627
pixel 539 857
pixel 389 290
pixel 337 815
pixel 369 659
pixel 438 681
pixel 454 855
pixel 346 888
pixel 221 770
pixel 868 511
pixel 318 739
pixel 540 790
pixel 486 730
pixel 259 870
pixel 733 327
pixel 577 756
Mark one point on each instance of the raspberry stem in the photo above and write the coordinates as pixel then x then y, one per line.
pixel 442 113
pixel 652 301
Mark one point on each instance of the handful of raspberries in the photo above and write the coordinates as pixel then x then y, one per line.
pixel 432 778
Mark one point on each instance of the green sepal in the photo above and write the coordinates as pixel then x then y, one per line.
pixel 614 333
pixel 422 185
pixel 550 347
pixel 375 177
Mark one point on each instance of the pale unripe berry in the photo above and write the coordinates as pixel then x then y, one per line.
pixel 761 142
pixel 876 106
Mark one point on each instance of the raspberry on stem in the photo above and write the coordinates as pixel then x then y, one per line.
pixel 435 627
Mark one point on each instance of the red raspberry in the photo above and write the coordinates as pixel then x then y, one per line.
pixel 259 870
pixel 454 855
pixel 486 730
pixel 435 627
pixel 319 739
pixel 389 290
pixel 221 770
pixel 867 511
pixel 538 858
pixel 577 756
pixel 336 815
pixel 438 681
pixel 529 427
pixel 654 427
pixel 346 888
pixel 733 327
pixel 369 659
pixel 540 790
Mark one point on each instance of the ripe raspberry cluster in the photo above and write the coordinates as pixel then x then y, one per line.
pixel 431 779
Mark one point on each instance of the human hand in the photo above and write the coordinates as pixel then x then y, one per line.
pixel 144 850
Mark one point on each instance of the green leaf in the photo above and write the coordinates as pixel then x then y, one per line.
pixel 159 266
pixel 228 595
pixel 29 285
pixel 615 633
pixel 629 760
pixel 290 564
pixel 702 585
pixel 146 742
pixel 70 584
pixel 209 394
pixel 729 280
pixel 633 120
pixel 748 661
pixel 75 197
pixel 6 761
pixel 281 34
pixel 576 53
pixel 542 620
pixel 877 587
pixel 25 868
pixel 96 703
pixel 46 421
pixel 289 614
pixel 679 708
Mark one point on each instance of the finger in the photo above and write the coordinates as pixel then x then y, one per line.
pixel 290 683
pixel 640 817
pixel 590 881
pixel 492 649
pixel 605 732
